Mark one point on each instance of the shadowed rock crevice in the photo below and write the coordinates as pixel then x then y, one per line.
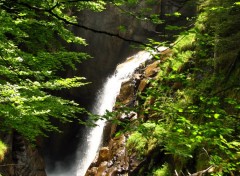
pixel 22 158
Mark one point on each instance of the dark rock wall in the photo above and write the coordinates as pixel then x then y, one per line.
pixel 22 158
pixel 107 51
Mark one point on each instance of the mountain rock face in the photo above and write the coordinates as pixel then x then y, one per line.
pixel 114 158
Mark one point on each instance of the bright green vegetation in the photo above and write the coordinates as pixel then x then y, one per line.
pixel 193 115
pixel 3 149
pixel 33 39
pixel 162 171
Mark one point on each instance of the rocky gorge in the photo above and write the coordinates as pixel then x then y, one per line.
pixel 114 157
pixel 23 159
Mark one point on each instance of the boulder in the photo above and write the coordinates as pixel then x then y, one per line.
pixel 127 93
pixel 102 168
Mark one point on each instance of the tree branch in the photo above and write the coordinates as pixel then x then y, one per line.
pixel 176 173
pixel 50 11
pixel 71 1
pixel 95 30
pixel 6 165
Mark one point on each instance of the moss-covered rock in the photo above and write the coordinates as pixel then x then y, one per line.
pixel 3 150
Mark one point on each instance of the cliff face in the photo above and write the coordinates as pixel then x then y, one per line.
pixel 106 51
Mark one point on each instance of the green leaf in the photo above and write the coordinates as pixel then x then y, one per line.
pixel 216 116
pixel 237 106
pixel 172 28
pixel 237 3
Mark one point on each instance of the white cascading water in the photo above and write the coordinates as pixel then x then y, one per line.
pixel 105 101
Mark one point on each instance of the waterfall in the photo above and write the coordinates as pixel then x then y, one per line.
pixel 105 101
pixel 92 137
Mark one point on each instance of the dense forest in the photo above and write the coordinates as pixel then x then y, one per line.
pixel 189 111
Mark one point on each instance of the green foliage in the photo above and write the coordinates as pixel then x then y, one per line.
pixel 34 36
pixel 137 143
pixel 176 14
pixel 163 171
pixel 145 139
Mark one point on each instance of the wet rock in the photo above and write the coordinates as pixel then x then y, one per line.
pixel 112 172
pixel 165 54
pixel 101 169
pixel 114 159
pixel 92 171
pixel 152 69
pixel 143 84
pixel 128 117
pixel 103 154
pixel 108 132
pixel 127 93
pixel 137 76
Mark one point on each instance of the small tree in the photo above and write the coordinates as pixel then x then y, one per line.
pixel 33 36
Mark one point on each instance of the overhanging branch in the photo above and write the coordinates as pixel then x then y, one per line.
pixel 95 30
pixel 50 11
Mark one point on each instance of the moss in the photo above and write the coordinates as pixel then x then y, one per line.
pixel 163 171
pixel 142 142
pixel 185 42
pixel 3 150
pixel 137 143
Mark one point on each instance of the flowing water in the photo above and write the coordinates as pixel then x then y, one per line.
pixel 106 98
